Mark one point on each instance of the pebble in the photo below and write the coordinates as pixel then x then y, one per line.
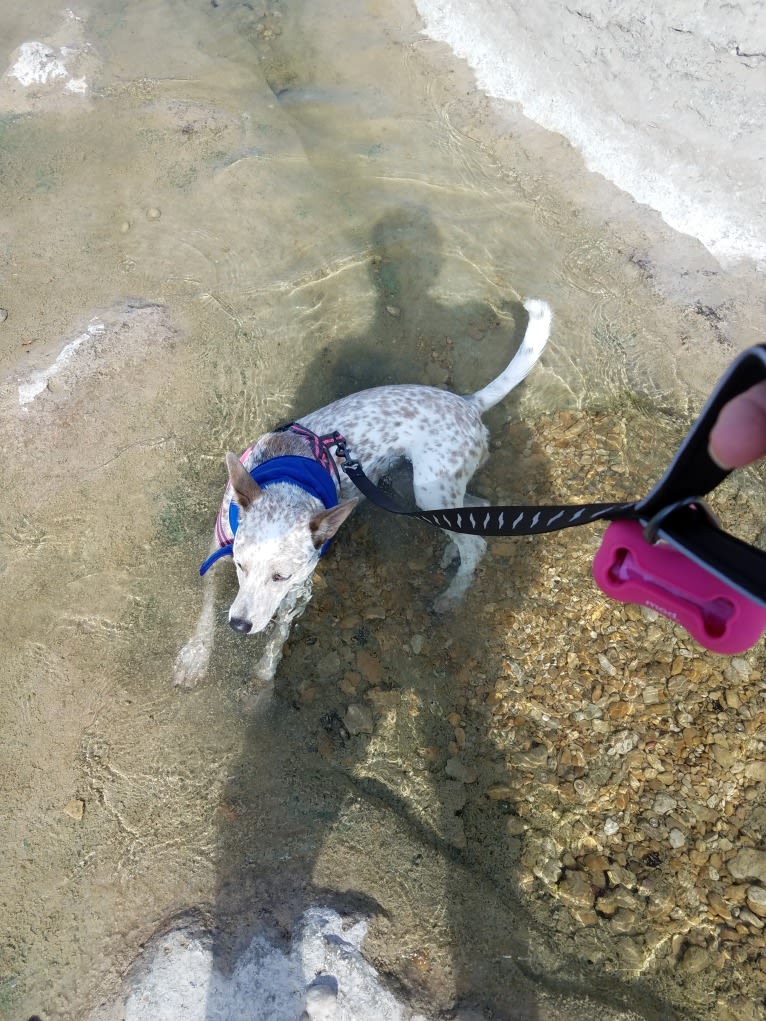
pixel 328 665
pixel 748 863
pixel 575 890
pixel 358 719
pixel 153 213
pixel 416 644
pixel 500 792
pixel 3 314
pixel 676 838
pixel 125 226
pixel 534 758
pixel 623 922
pixel 752 919
pixel 663 804
pixel 756 900
pixel 75 809
pixel 457 770
pixel 695 960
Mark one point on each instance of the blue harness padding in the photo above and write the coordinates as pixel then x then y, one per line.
pixel 304 472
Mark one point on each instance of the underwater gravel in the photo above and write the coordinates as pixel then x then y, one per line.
pixel 608 769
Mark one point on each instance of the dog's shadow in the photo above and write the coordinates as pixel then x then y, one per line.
pixel 362 772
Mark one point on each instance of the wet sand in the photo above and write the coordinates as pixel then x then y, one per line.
pixel 240 218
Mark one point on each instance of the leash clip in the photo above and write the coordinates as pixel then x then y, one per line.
pixel 346 460
pixel 632 568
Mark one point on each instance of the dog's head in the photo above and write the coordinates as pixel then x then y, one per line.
pixel 278 542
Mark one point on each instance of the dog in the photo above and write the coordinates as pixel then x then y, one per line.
pixel 284 522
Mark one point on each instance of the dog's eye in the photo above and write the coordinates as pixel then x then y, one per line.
pixel 280 577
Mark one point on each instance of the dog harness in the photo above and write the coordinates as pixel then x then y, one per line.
pixel 311 474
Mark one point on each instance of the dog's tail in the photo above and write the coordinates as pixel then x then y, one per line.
pixel 535 339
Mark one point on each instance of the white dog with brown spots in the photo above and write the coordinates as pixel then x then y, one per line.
pixel 282 506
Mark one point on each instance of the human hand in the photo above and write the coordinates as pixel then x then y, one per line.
pixel 739 434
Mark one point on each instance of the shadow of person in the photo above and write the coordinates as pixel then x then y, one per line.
pixel 362 779
pixel 413 336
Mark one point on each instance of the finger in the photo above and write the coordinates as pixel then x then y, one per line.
pixel 739 434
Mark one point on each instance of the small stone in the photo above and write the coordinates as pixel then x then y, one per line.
pixel 3 314
pixel 732 699
pixel 124 227
pixel 630 952
pixel 575 890
pixel 358 719
pixel 153 213
pixel 719 906
pixel 749 863
pixel 595 862
pixel 756 900
pixel 606 666
pixel 393 311
pixel 623 921
pixel 328 665
pixel 676 838
pixel 500 792
pixel 695 960
pixel 611 826
pixel 724 756
pixel 623 741
pixel 750 918
pixel 75 809
pixel 535 758
pixel 457 770
pixel 416 644
pixel 756 770
pixel 620 876
pixel 663 804
pixel 54 385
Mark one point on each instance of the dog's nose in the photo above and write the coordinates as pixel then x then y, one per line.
pixel 241 625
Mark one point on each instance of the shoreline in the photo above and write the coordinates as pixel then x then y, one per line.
pixel 639 97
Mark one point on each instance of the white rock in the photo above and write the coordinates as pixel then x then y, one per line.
pixel 663 804
pixel 676 838
pixel 37 64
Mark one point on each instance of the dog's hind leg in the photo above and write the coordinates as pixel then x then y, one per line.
pixel 449 492
pixel 451 552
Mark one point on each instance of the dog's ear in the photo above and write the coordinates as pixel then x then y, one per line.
pixel 246 489
pixel 326 523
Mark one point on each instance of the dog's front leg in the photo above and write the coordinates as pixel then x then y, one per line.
pixel 192 660
pixel 292 606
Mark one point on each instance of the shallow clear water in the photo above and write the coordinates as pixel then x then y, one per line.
pixel 252 210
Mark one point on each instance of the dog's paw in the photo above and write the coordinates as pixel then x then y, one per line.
pixel 191 663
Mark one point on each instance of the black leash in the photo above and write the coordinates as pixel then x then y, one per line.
pixel 673 511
